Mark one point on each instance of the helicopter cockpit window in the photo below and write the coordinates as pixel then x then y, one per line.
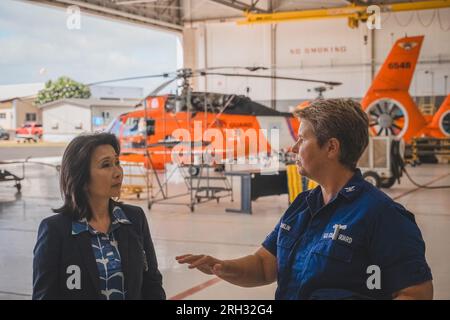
pixel 114 127
pixel 150 127
pixel 131 127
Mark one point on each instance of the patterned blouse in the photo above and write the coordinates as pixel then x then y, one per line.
pixel 107 256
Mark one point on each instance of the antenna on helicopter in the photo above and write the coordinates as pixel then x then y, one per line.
pixel 247 90
pixel 320 90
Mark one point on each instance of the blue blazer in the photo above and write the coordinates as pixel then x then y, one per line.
pixel 57 249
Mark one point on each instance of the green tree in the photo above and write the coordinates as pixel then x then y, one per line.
pixel 62 88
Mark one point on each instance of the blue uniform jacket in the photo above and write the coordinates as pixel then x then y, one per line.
pixel 360 245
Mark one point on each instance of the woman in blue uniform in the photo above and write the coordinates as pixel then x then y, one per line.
pixel 343 240
pixel 95 247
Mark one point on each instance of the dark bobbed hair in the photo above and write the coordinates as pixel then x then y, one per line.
pixel 75 173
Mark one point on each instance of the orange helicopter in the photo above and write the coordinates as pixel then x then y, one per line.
pixel 147 135
pixel 388 103
pixel 193 127
pixel 439 125
pixel 391 109
pixel 241 130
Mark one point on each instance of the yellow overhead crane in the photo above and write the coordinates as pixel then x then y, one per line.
pixel 354 13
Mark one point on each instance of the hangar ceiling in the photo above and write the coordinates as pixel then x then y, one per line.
pixel 173 14
pixel 198 10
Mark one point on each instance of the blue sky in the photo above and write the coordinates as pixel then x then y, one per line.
pixel 36 45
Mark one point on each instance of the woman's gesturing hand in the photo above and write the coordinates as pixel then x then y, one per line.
pixel 206 264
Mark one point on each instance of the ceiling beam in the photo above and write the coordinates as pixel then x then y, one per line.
pixel 114 11
pixel 170 5
pixel 350 11
pixel 241 6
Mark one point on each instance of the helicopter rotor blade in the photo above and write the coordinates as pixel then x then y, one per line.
pixel 252 69
pixel 162 86
pixel 330 83
pixel 157 90
pixel 163 75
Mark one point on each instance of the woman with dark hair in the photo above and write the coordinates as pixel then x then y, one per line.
pixel 95 247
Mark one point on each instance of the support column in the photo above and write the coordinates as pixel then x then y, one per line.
pixel 273 65
pixel 372 54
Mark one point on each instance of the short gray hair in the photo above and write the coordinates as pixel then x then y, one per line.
pixel 342 119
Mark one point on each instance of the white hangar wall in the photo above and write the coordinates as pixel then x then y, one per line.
pixel 324 49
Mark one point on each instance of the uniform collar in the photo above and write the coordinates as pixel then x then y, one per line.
pixel 353 187
pixel 350 191
pixel 118 217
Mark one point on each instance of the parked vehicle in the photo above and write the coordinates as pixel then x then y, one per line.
pixel 29 131
pixel 4 135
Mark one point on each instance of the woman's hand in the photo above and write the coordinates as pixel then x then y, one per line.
pixel 206 264
pixel 257 269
